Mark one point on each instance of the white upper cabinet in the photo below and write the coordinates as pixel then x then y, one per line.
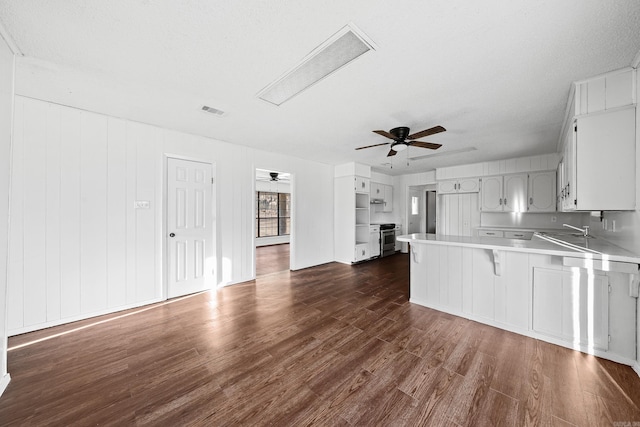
pixel 361 184
pixel 604 161
pixel 388 198
pixel 462 185
pixel 377 190
pixel 541 192
pixel 599 160
pixel 605 92
pixel 515 193
pixel 382 192
pixel 506 193
pixel 491 194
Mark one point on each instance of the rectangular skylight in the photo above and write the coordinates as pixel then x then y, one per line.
pixel 339 50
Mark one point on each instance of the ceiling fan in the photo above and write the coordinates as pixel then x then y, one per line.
pixel 402 139
pixel 274 176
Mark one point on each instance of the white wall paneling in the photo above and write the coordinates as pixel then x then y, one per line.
pixel 79 247
pixel 6 117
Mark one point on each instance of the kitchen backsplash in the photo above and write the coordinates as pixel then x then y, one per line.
pixel 533 220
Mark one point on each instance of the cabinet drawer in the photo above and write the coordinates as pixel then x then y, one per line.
pixel 524 235
pixel 490 233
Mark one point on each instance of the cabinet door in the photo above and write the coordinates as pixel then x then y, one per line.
pixel 447 187
pixel 572 305
pixel 542 191
pixel 376 191
pixel 491 194
pixel 388 198
pixel 362 184
pixel 570 171
pixel 361 252
pixel 374 244
pixel 605 161
pixel 515 193
pixel 469 185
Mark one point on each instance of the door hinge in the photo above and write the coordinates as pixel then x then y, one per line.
pixel 609 288
pixel 212 180
pixel 608 338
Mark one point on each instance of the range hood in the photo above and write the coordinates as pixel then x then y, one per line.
pixel 376 201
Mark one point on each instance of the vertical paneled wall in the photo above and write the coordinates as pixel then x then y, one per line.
pixel 78 245
pixel 6 113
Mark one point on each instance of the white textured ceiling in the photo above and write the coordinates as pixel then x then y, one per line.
pixel 495 73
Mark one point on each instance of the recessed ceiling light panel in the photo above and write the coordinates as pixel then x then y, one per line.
pixel 339 50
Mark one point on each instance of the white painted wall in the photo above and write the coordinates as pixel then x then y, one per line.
pixel 6 112
pixel 78 246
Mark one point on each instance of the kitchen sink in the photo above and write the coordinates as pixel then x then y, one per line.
pixel 570 240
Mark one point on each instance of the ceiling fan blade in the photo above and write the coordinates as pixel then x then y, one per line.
pixel 385 134
pixel 427 132
pixel 392 152
pixel 374 145
pixel 429 145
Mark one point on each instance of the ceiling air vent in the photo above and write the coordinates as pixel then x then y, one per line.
pixel 213 111
pixel 339 50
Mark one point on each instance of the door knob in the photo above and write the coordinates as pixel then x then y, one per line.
pixel 172 234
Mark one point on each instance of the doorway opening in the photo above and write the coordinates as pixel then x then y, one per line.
pixel 422 210
pixel 273 221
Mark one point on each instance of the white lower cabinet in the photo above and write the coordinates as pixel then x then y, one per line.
pixel 572 305
pixel 361 252
pixel 531 294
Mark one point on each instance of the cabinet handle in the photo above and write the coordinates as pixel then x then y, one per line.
pixel 505 201
pixel 530 200
pixel 500 202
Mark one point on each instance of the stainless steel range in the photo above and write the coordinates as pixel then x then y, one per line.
pixel 387 239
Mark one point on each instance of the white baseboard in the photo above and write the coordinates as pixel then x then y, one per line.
pixel 84 316
pixel 4 382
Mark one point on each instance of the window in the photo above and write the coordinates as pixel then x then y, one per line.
pixel 273 214
pixel 415 209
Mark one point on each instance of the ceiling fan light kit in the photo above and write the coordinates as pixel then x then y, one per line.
pixel 402 140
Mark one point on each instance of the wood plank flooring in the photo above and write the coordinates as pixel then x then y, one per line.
pixel 272 259
pixel 329 345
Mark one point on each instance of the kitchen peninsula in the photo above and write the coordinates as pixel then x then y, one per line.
pixel 581 298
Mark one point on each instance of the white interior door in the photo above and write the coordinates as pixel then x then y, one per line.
pixel 189 227
pixel 415 210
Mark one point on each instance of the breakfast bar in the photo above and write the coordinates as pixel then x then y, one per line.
pixel 580 293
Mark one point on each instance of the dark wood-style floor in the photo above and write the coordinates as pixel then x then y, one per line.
pixel 272 259
pixel 329 345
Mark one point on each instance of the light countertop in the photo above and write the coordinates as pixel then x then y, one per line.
pixel 598 248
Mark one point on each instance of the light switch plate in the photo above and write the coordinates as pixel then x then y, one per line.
pixel 142 204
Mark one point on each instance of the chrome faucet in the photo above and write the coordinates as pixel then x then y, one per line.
pixel 584 231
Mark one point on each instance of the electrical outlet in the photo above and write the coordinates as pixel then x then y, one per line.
pixel 554 218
